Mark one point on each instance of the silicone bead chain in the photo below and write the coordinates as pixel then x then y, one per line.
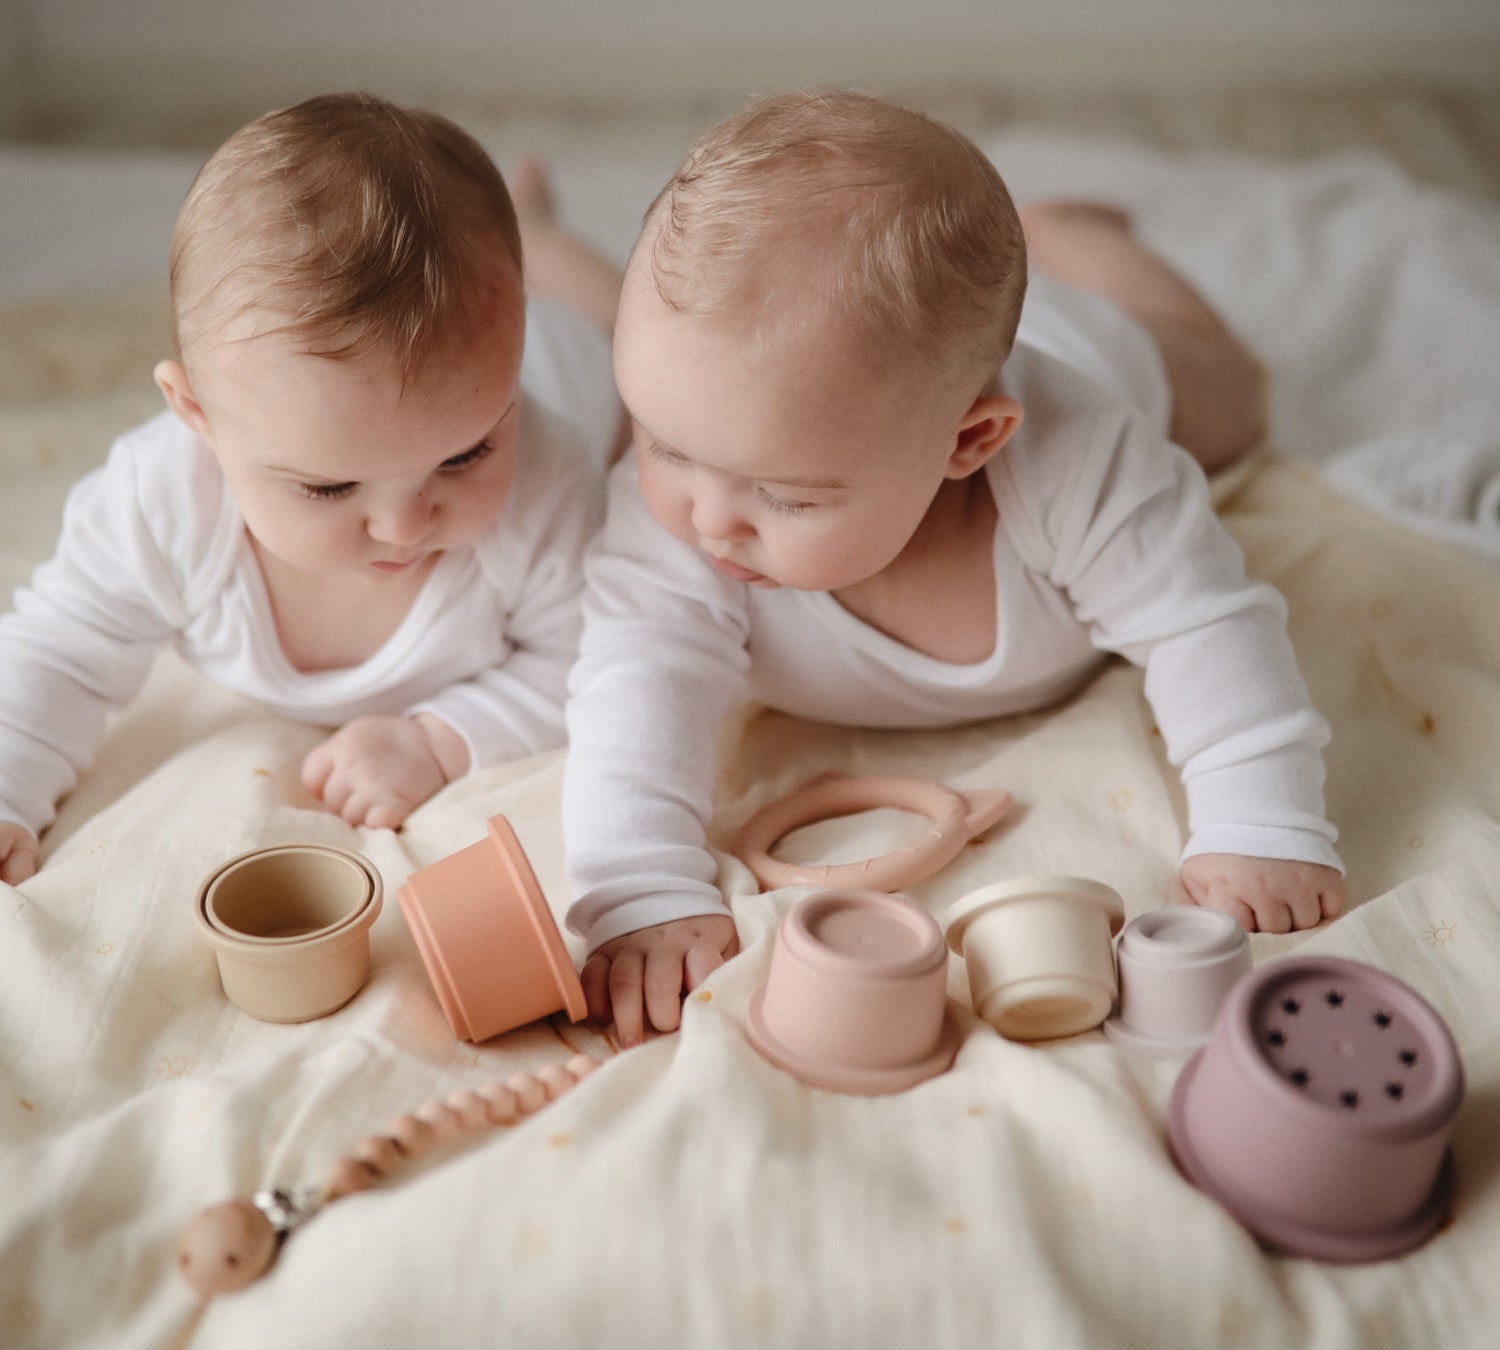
pixel 233 1244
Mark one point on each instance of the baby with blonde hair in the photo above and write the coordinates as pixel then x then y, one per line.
pixel 357 508
pixel 871 486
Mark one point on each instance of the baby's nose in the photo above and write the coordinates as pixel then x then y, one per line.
pixel 717 516
pixel 403 521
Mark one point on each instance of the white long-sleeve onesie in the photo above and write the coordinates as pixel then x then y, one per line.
pixel 153 553
pixel 1106 542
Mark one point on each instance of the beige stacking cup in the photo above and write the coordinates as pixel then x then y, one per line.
pixel 290 928
pixel 1039 954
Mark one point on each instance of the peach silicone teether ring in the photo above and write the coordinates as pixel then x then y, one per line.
pixel 956 818
pixel 233 1244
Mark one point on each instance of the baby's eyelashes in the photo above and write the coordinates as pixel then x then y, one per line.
pixel 326 491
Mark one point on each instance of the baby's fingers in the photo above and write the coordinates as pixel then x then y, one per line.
pixel 663 989
pixel 701 962
pixel 626 995
pixel 595 980
pixel 20 864
pixel 317 768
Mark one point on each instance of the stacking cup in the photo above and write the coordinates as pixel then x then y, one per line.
pixel 856 997
pixel 290 928
pixel 1175 967
pixel 1038 952
pixel 488 939
pixel 1319 1112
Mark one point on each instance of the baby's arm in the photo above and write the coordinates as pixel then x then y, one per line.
pixel 18 853
pixel 1265 895
pixel 662 659
pixel 376 770
pixel 78 644
pixel 1156 577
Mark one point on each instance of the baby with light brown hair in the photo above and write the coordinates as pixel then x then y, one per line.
pixel 881 479
pixel 368 502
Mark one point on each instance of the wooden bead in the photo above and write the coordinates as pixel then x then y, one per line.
pixel 413 1135
pixel 581 1066
pixel 379 1154
pixel 226 1247
pixel 470 1109
pixel 500 1102
pixel 442 1118
pixel 348 1177
pixel 555 1080
pixel 530 1094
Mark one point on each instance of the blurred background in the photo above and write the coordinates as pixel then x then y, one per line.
pixel 185 72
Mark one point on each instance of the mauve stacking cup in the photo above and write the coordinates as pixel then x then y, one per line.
pixel 1320 1110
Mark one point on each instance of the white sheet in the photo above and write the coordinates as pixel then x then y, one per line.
pixel 689 1193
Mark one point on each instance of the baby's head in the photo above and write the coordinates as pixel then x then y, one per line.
pixel 809 331
pixel 349 317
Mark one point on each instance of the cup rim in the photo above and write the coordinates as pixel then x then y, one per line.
pixel 220 934
pixel 963 912
pixel 1141 940
pixel 539 913
pixel 796 931
pixel 846 1078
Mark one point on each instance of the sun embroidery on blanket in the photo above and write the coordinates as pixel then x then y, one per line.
pixel 175 1066
pixel 1120 799
pixel 104 949
pixel 1441 933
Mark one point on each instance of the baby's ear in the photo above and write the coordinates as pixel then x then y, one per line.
pixel 172 379
pixel 992 420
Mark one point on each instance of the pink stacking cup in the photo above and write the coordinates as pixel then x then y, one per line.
pixel 856 997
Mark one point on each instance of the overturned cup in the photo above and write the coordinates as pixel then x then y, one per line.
pixel 488 940
pixel 1176 966
pixel 1038 952
pixel 856 997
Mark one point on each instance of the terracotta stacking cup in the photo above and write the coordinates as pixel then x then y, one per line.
pixel 856 999
pixel 1038 952
pixel 488 939
pixel 1175 967
pixel 290 928
pixel 1320 1110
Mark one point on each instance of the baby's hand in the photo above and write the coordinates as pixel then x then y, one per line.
pixel 19 852
pixel 377 770
pixel 644 975
pixel 1266 895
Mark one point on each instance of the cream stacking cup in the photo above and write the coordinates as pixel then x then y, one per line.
pixel 1038 952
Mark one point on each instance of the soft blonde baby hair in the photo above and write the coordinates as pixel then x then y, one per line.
pixel 359 226
pixel 881 217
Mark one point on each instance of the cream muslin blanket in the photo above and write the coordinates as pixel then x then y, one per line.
pixel 689 1193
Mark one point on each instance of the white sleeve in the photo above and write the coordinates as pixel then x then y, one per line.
pixel 81 639
pixel 1135 544
pixel 662 660
pixel 516 708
